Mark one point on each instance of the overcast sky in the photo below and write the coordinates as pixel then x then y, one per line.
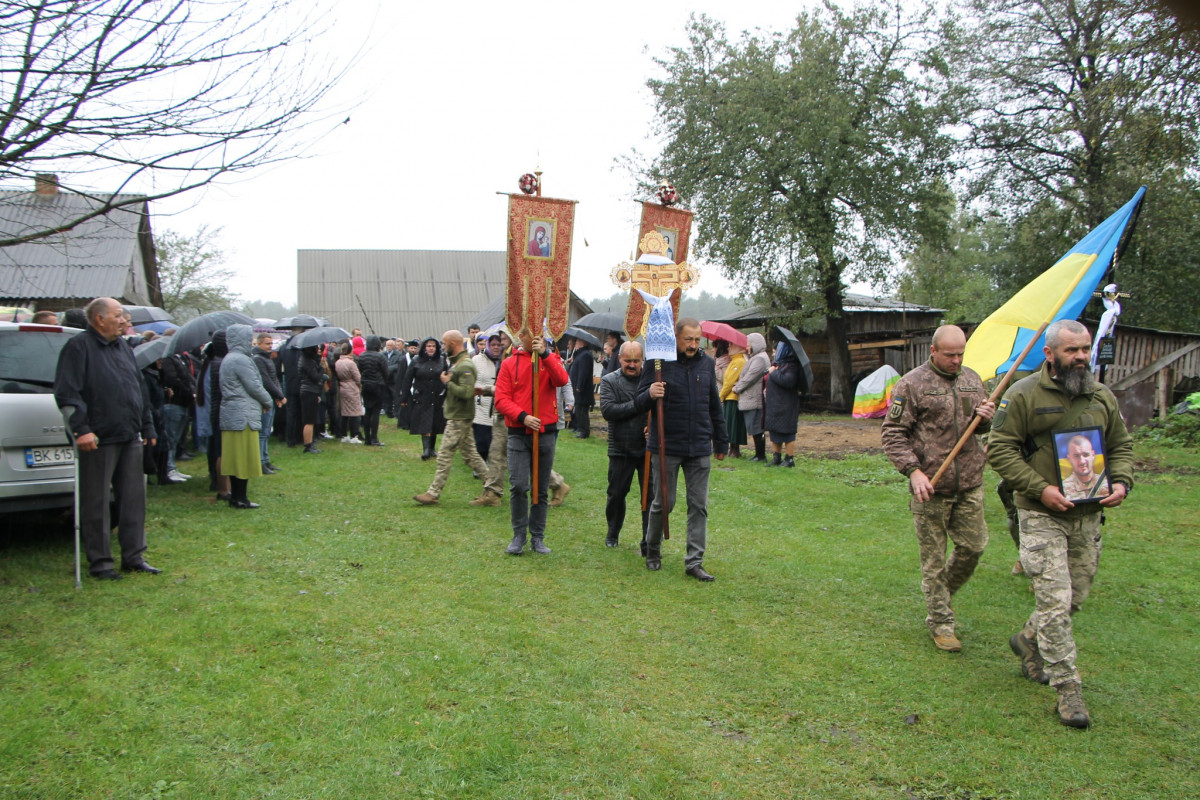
pixel 457 101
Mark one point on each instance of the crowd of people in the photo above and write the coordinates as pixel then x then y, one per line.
pixel 501 403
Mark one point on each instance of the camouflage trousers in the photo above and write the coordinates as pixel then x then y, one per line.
pixel 1061 555
pixel 497 461
pixel 460 437
pixel 958 519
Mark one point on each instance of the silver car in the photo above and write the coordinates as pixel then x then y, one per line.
pixel 37 469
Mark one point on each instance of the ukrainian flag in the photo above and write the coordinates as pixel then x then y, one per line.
pixel 1060 292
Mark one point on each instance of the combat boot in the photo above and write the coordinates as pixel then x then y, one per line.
pixel 1032 664
pixel 777 461
pixel 487 498
pixel 1071 710
pixel 516 545
pixel 538 546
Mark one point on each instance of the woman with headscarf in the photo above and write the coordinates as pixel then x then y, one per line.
pixel 209 386
pixel 244 399
pixel 373 368
pixel 349 394
pixel 422 393
pixel 729 399
pixel 749 391
pixel 782 415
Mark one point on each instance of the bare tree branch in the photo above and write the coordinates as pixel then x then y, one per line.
pixel 152 98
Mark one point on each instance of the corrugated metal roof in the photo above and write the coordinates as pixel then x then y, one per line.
pixel 93 259
pixel 406 293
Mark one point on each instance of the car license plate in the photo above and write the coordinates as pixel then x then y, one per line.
pixel 48 456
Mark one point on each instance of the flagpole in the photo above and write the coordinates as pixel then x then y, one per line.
pixel 996 394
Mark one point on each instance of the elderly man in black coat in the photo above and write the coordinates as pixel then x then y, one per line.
pixel 97 375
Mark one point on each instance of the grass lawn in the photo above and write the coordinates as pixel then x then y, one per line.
pixel 343 642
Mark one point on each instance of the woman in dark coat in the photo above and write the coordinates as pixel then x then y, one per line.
pixel 312 393
pixel 373 367
pixel 422 394
pixel 208 393
pixel 782 415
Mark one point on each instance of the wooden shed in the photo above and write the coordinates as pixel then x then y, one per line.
pixel 882 330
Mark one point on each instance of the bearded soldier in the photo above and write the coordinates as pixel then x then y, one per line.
pixel 1060 540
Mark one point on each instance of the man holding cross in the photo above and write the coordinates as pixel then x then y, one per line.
pixel 694 431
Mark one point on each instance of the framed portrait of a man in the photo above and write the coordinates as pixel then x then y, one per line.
pixel 1082 475
pixel 539 240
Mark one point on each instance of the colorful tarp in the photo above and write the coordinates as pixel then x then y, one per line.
pixel 1060 292
pixel 874 393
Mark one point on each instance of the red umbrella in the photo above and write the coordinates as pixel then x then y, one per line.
pixel 726 333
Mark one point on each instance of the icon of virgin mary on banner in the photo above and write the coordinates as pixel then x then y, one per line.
pixel 539 264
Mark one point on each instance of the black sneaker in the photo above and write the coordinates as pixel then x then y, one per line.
pixel 309 448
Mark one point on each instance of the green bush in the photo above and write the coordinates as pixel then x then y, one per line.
pixel 1182 429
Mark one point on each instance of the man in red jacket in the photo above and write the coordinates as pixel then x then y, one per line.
pixel 514 399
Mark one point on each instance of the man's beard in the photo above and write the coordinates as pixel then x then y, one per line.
pixel 1075 380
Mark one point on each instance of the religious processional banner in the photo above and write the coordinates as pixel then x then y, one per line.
pixel 539 264
pixel 673 229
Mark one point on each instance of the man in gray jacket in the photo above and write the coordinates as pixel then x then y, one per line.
pixel 626 440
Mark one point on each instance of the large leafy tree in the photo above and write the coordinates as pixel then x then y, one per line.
pixel 1079 102
pixel 810 158
pixel 143 99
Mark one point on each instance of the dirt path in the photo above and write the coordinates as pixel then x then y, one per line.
pixel 839 435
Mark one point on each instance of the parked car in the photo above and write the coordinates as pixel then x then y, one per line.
pixel 37 461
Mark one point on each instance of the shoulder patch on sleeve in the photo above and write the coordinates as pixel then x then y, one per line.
pixel 896 409
pixel 1001 413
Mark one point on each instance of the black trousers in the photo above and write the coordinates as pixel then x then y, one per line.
pixel 118 466
pixel 292 409
pixel 621 470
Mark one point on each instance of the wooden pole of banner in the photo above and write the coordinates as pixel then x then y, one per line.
pixel 662 452
pixel 646 470
pixel 996 394
pixel 536 434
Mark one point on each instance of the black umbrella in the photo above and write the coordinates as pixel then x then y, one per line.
pixel 583 336
pixel 301 321
pixel 314 337
pixel 199 331
pixel 148 352
pixel 806 373
pixel 603 321
pixel 140 315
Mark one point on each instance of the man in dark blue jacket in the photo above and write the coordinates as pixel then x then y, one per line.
pixel 98 376
pixel 694 429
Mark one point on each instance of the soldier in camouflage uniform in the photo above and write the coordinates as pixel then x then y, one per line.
pixel 931 407
pixel 459 410
pixel 1060 540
